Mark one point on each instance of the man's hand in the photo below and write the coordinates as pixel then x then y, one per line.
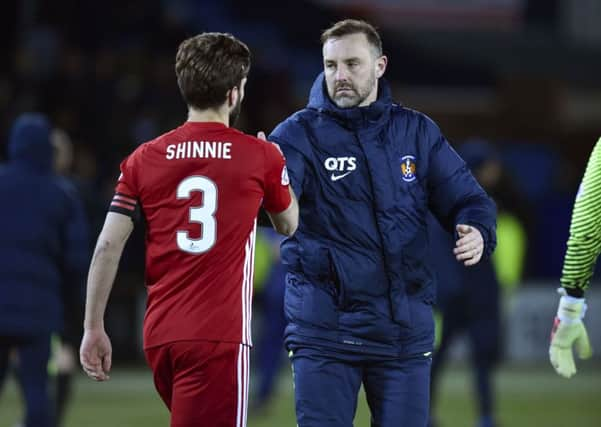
pixel 568 330
pixel 95 354
pixel 470 245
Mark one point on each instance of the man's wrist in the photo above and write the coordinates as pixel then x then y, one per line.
pixel 93 325
pixel 571 309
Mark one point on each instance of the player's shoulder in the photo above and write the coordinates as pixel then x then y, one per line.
pixel 250 143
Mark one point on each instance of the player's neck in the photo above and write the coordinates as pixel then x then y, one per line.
pixel 209 115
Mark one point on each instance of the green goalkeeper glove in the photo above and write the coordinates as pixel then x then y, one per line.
pixel 568 330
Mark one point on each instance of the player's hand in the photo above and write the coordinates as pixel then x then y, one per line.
pixel 470 245
pixel 569 331
pixel 95 354
pixel 261 135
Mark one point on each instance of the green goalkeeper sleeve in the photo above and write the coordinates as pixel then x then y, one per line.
pixel 584 243
pixel 584 246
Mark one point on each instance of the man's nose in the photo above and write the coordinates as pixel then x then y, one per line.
pixel 341 73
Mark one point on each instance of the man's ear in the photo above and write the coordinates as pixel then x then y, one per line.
pixel 232 96
pixel 381 63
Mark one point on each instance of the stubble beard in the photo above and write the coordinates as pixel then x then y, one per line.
pixel 358 94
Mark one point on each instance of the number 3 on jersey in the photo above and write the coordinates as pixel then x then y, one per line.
pixel 203 215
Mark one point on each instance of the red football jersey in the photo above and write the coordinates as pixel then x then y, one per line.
pixel 199 188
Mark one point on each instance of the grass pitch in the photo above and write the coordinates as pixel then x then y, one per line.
pixel 526 397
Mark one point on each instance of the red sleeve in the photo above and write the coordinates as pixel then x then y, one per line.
pixel 125 200
pixel 277 196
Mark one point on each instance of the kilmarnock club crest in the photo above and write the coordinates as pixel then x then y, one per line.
pixel 408 168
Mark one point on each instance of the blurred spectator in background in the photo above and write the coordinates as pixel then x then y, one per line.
pixel 270 346
pixel 513 211
pixel 65 345
pixel 468 298
pixel 43 258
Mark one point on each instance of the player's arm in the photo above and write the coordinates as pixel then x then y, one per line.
pixel 584 246
pixel 109 247
pixel 286 222
pixel 584 243
pixel 280 202
pixel 96 352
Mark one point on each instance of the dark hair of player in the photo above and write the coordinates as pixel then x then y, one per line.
pixel 208 65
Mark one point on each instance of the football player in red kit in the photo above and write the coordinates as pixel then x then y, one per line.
pixel 199 188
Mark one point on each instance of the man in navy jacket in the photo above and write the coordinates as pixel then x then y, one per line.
pixel 358 292
pixel 43 258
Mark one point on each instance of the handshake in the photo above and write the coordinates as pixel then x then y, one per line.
pixel 568 330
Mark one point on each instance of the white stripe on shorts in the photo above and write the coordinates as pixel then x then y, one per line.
pixel 243 383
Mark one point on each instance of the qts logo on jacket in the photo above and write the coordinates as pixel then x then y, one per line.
pixel 408 168
pixel 340 166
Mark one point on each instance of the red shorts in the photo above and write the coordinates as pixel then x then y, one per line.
pixel 203 383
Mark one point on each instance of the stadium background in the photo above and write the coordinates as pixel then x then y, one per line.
pixel 522 74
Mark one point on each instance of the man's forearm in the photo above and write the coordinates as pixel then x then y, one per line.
pixel 584 243
pixel 286 222
pixel 103 267
pixel 100 282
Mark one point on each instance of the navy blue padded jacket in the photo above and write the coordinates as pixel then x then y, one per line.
pixel 366 178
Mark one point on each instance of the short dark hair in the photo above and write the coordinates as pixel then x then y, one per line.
pixel 354 26
pixel 208 65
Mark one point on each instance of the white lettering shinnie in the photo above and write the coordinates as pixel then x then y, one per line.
pixel 199 150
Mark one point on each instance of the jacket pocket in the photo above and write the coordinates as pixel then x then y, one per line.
pixel 336 280
pixel 293 299
pixel 318 265
pixel 418 280
pixel 309 304
pixel 315 262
